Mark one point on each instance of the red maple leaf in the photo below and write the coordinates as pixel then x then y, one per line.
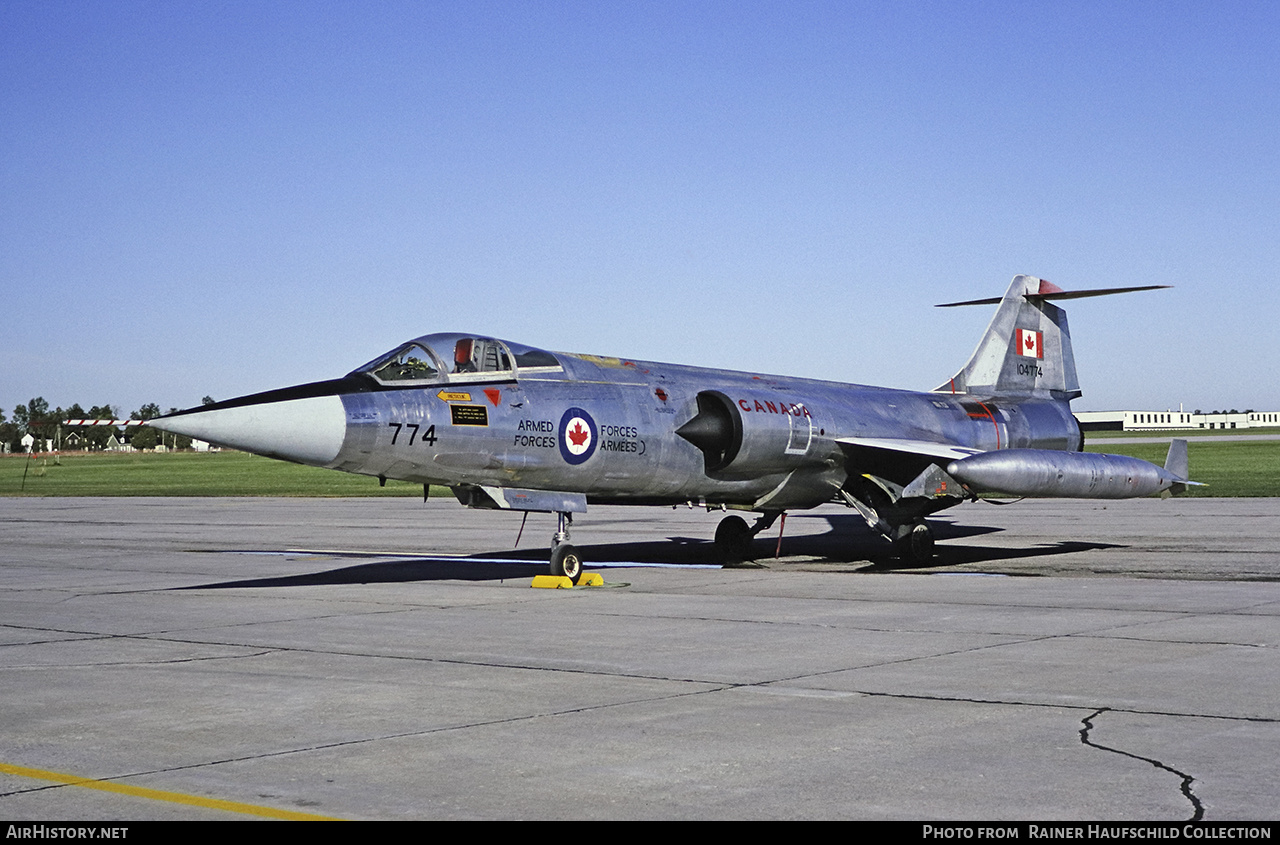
pixel 1030 341
pixel 578 436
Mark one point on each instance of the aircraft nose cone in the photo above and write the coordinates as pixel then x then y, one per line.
pixel 307 431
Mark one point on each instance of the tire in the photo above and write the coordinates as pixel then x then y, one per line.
pixel 733 539
pixel 915 543
pixel 566 562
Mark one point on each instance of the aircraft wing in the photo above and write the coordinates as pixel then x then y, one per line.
pixel 923 448
pixel 899 463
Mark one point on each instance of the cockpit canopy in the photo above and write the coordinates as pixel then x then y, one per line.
pixel 444 358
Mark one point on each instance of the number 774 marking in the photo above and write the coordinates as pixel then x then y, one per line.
pixel 428 436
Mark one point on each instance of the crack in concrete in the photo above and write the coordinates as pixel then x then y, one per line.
pixel 1187 780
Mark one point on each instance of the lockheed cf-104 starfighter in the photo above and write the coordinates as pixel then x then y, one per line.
pixel 509 426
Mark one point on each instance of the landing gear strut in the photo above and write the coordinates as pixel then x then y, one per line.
pixel 899 523
pixel 564 557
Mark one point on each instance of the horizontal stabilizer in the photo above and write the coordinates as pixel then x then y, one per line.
pixel 1057 293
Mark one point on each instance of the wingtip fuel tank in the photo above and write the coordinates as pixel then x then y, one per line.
pixel 1042 473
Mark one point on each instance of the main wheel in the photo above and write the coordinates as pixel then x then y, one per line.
pixel 914 543
pixel 733 539
pixel 565 561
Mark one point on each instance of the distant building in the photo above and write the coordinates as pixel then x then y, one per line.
pixel 114 444
pixel 1173 420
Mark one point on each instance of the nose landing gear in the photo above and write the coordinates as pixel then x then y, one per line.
pixel 565 561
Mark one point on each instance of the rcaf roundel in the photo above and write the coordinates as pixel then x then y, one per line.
pixel 1030 344
pixel 577 436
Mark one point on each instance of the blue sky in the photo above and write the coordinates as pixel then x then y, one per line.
pixel 220 198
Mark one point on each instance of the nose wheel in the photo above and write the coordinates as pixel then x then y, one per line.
pixel 565 561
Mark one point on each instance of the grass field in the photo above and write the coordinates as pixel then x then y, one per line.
pixel 1243 468
pixel 183 474
pixel 1239 468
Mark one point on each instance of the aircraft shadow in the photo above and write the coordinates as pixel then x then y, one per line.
pixel 948 556
pixel 847 540
pixel 392 572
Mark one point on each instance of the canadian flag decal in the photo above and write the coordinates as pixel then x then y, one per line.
pixel 1030 344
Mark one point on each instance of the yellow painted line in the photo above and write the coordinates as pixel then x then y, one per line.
pixel 161 795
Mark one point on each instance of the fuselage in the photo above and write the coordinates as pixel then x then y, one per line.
pixel 464 410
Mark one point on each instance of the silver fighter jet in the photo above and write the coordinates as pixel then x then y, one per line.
pixel 513 427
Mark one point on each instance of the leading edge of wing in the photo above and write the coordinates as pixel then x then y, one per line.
pixel 926 448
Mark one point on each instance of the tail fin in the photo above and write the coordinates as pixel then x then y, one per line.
pixel 1026 351
pixel 1179 465
pixel 1177 461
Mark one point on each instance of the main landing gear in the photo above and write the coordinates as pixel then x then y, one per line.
pixel 565 561
pixel 913 542
pixel 734 536
pixel 900 520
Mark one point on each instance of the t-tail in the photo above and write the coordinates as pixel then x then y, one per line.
pixel 1025 354
pixel 1026 351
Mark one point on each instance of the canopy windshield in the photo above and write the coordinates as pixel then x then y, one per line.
pixel 441 358
pixel 408 363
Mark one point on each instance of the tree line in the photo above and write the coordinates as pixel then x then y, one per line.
pixel 43 423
